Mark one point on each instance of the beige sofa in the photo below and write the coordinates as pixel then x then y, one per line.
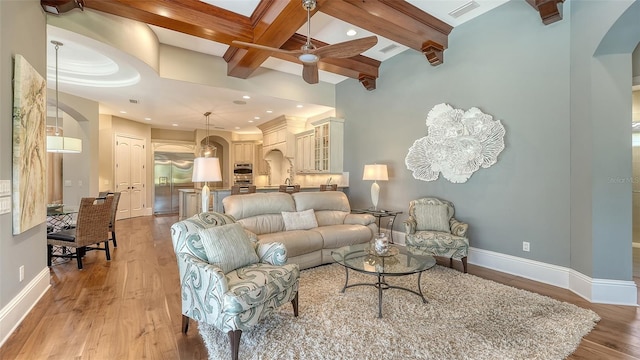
pixel 261 213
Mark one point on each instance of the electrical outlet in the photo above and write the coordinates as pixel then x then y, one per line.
pixel 525 246
pixel 21 273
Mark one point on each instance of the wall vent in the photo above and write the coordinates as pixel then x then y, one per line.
pixel 464 9
pixel 133 101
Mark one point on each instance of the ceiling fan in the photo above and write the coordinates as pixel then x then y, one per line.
pixel 309 54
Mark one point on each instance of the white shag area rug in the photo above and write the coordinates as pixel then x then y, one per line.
pixel 467 317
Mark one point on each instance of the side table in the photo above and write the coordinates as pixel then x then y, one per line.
pixel 380 214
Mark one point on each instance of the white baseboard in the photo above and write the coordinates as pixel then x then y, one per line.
pixel 15 311
pixel 601 291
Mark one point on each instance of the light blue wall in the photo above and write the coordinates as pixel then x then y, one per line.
pixel 513 67
pixel 23 25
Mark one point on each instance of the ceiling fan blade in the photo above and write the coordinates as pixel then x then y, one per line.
pixel 310 72
pixel 266 48
pixel 347 49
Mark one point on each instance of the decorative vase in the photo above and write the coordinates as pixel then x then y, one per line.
pixel 381 244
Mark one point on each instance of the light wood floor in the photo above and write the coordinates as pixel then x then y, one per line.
pixel 129 308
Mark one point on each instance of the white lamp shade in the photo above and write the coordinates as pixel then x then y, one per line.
pixel 63 144
pixel 206 169
pixel 375 172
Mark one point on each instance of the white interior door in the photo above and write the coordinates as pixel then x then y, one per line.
pixel 130 177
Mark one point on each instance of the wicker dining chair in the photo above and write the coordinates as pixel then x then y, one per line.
pixel 92 229
pixel 114 213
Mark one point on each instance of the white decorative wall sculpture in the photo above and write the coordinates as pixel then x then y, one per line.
pixel 457 144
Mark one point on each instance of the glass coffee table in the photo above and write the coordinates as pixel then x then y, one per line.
pixel 398 262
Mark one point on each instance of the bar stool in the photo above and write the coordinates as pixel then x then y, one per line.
pixel 289 189
pixel 243 189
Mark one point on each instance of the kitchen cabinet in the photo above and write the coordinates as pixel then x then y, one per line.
pixel 243 152
pixel 328 145
pixel 279 134
pixel 260 166
pixel 305 151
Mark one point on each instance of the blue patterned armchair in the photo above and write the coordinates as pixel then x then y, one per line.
pixel 431 229
pixel 238 299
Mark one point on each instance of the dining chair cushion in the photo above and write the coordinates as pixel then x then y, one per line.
pixel 64 235
pixel 299 220
pixel 431 217
pixel 228 247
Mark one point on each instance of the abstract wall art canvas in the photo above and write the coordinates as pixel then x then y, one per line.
pixel 29 152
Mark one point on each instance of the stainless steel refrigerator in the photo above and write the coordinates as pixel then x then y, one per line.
pixel 171 172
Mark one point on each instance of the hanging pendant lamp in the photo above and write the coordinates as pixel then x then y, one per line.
pixel 206 168
pixel 57 143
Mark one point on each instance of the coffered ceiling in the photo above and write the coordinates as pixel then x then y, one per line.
pixel 210 26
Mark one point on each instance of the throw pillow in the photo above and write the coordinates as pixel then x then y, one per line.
pixel 299 220
pixel 432 218
pixel 228 246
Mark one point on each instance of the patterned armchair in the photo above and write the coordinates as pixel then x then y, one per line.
pixel 432 229
pixel 238 299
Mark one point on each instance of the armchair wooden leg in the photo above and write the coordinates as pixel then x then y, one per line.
pixel 450 262
pixel 294 302
pixel 464 264
pixel 234 341
pixel 185 324
pixel 106 250
pixel 49 251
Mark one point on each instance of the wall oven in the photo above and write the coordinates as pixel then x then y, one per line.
pixel 243 174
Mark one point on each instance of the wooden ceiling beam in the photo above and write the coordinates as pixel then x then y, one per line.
pixel 549 10
pixel 395 20
pixel 191 17
pixel 274 23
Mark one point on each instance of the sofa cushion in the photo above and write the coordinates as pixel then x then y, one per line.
pixel 255 284
pixel 432 217
pixel 228 246
pixel 248 205
pixel 297 242
pixel 321 200
pixel 336 236
pixel 263 224
pixel 299 220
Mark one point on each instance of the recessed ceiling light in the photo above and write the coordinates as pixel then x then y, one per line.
pixel 251 121
pixel 122 112
pixel 351 32
pixel 237 127
pixel 269 111
pixel 246 97
pixel 147 118
pixel 174 124
pixel 299 106
pixel 256 118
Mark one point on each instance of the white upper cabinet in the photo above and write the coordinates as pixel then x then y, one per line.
pixel 328 145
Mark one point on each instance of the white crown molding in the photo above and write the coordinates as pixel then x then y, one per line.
pixel 15 311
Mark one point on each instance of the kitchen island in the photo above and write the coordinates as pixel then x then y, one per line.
pixel 190 203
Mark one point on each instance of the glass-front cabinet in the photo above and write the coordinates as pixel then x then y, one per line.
pixel 328 145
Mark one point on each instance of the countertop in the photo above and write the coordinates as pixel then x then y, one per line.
pixel 268 187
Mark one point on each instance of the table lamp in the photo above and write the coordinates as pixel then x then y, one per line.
pixel 375 172
pixel 206 169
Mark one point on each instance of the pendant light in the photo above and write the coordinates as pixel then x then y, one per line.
pixel 57 143
pixel 206 168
